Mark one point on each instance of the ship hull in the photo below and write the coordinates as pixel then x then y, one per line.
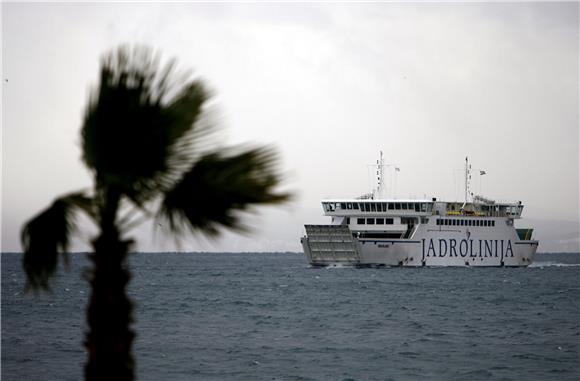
pixel 429 246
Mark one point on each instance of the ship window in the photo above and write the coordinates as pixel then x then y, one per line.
pixel 367 207
pixel 397 206
pixel 478 223
pixel 446 222
pixel 342 205
pixel 360 221
pixel 362 207
pixel 424 220
pixel 355 205
pixel 370 221
pixel 438 222
pixel 404 206
pixel 384 206
pixel 380 221
pixel 348 220
pixel 454 222
pixel 417 208
pixel 410 206
pixel 492 223
pixel 487 223
pixel 349 206
pixel 373 207
pixel 388 221
pixel 391 206
pixel 423 207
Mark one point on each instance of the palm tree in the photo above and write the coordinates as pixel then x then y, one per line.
pixel 143 140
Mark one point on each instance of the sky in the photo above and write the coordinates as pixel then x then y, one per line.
pixel 329 85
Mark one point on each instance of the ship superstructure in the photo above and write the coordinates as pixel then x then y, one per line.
pixel 374 231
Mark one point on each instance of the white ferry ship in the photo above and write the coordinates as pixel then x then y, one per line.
pixel 374 231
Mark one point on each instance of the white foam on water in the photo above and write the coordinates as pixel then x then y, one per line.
pixel 553 264
pixel 339 266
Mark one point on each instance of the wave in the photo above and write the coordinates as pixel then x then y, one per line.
pixel 554 264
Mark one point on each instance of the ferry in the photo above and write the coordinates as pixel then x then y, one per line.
pixel 373 231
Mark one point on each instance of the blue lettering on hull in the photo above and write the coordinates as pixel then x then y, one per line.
pixel 465 248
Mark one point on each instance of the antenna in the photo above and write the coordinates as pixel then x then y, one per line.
pixel 467 177
pixel 379 193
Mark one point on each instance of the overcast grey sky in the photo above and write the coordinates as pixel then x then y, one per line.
pixel 330 85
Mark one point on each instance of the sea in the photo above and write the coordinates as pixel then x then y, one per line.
pixel 269 316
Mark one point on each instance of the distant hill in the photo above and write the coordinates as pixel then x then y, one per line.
pixel 555 236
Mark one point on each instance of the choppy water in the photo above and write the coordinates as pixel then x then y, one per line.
pixel 271 317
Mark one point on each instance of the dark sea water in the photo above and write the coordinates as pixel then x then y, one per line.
pixel 271 317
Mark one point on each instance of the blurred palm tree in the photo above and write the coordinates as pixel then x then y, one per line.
pixel 143 142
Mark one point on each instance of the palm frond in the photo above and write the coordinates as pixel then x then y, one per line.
pixel 46 235
pixel 218 186
pixel 139 124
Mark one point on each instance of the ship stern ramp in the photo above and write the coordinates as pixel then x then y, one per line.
pixel 326 245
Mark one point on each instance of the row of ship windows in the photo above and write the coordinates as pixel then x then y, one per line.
pixel 454 222
pixel 375 206
pixel 374 221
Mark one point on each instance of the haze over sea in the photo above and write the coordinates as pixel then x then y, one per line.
pixel 266 316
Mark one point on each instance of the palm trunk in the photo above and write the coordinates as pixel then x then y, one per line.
pixel 110 338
